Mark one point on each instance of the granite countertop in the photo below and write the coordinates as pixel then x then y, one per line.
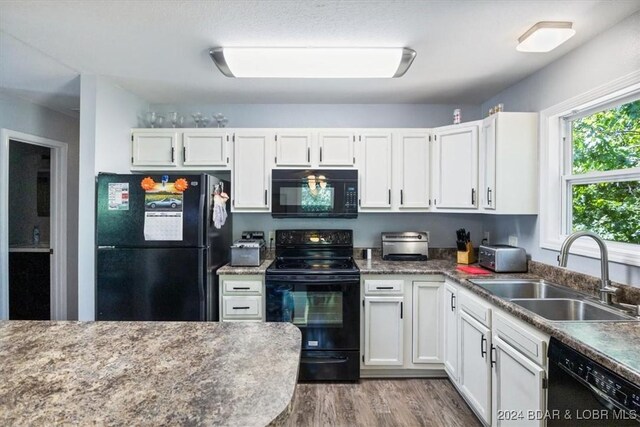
pixel 261 269
pixel 146 373
pixel 612 344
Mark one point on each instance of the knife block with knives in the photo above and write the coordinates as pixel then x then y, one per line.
pixel 466 254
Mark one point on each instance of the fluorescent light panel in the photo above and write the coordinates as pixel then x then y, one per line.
pixel 301 62
pixel 545 36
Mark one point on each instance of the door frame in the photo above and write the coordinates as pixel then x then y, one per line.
pixel 58 219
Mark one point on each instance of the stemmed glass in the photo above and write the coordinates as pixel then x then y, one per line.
pixel 220 119
pixel 204 121
pixel 176 119
pixel 159 120
pixel 151 118
pixel 197 118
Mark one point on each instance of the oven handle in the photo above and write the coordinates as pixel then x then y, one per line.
pixel 330 360
pixel 313 280
pixel 597 393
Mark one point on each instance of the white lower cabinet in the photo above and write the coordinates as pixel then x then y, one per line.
pixel 475 365
pixel 383 330
pixel 402 325
pixel 450 335
pixel 427 322
pixel 518 387
pixel 241 298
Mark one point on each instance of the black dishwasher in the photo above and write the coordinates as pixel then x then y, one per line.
pixel 584 393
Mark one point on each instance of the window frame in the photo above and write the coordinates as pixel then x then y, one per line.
pixel 555 168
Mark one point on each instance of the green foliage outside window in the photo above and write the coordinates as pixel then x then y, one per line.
pixel 605 141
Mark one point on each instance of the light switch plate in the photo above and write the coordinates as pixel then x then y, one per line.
pixel 513 240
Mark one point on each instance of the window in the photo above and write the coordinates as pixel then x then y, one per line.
pixel 602 171
pixel 590 170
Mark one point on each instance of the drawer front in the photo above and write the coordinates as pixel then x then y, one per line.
pixel 526 341
pixel 253 287
pixel 383 287
pixel 475 308
pixel 241 307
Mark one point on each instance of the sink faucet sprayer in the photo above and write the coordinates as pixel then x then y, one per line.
pixel 606 290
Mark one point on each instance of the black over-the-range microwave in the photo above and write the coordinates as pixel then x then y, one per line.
pixel 314 193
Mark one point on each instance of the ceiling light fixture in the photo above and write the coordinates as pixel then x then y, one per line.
pixel 303 62
pixel 545 36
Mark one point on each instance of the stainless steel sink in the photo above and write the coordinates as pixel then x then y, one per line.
pixel 511 289
pixel 571 310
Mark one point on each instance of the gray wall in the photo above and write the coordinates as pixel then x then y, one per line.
pixel 108 114
pixel 22 116
pixel 610 55
pixel 329 115
pixel 367 227
pixel 25 160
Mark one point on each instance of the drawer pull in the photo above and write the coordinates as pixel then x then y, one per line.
pixel 241 288
pixel 384 287
pixel 241 308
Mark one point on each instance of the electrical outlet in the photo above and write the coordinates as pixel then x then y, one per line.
pixel 487 237
pixel 272 235
pixel 513 240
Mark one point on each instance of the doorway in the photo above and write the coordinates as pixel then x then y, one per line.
pixel 29 231
pixel 33 207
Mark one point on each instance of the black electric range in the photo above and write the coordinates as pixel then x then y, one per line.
pixel 315 284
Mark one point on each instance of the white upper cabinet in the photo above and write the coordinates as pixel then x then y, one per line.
pixel 509 163
pixel 250 186
pixel 205 147
pixel 455 166
pixel 411 171
pixel 336 148
pixel 375 170
pixel 154 148
pixel 293 148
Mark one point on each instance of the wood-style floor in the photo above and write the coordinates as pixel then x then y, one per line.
pixel 379 402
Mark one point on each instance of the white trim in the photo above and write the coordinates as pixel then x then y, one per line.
pixel 59 154
pixel 552 159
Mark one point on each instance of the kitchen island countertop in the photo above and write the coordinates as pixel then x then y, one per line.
pixel 146 373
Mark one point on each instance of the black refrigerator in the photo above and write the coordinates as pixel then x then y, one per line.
pixel 159 241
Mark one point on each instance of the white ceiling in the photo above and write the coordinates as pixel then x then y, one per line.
pixel 159 49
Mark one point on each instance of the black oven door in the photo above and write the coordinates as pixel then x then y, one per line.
pixel 321 193
pixel 325 309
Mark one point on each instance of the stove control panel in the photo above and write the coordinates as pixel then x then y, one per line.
pixel 314 238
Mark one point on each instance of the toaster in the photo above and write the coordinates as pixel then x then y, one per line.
pixel 247 252
pixel 503 258
pixel 405 246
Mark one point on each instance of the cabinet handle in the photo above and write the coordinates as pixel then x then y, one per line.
pixel 389 196
pixel 493 361
pixel 241 308
pixel 488 195
pixel 473 196
pixel 453 302
pixel 401 198
pixel 184 154
pixel 241 288
pixel 401 309
pixel 265 197
pixel 308 155
pixel 321 154
pixel 173 154
pixel 384 287
pixel 483 343
pixel 227 159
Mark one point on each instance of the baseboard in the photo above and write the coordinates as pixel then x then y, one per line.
pixel 403 373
